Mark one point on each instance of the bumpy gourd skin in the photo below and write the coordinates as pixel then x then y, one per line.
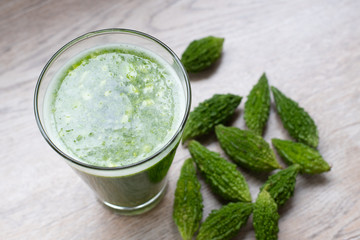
pixel 202 53
pixel 223 177
pixel 188 205
pixel 247 149
pixel 213 111
pixel 281 185
pixel 226 222
pixel 265 217
pixel 309 159
pixel 257 106
pixel 296 120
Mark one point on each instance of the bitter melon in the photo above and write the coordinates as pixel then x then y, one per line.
pixel 257 106
pixel 213 111
pixel 188 205
pixel 265 217
pixel 309 159
pixel 246 148
pixel 226 222
pixel 295 119
pixel 223 177
pixel 202 53
pixel 281 185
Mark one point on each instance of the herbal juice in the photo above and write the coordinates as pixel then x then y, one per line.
pixel 115 106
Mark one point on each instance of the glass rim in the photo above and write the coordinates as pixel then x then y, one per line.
pixel 90 35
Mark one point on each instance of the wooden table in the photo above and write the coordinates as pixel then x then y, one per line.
pixel 309 49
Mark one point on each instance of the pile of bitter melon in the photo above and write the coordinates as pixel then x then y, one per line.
pixel 247 149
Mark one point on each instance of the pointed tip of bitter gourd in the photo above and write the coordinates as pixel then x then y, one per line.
pixel 263 78
pixel 193 143
pixel 219 127
pixel 274 89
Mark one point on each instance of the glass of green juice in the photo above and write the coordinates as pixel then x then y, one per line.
pixel 113 103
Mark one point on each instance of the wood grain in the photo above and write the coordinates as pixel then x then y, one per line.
pixel 309 49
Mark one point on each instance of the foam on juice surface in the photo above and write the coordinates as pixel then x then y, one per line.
pixel 114 106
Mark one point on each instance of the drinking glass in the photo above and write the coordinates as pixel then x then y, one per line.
pixel 137 187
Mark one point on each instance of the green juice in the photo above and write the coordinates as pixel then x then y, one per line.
pixel 115 106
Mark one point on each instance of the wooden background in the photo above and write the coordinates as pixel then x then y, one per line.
pixel 310 49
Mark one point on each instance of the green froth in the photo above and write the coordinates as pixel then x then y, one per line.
pixel 115 106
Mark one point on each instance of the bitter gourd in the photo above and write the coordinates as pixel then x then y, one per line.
pixel 265 217
pixel 281 185
pixel 226 222
pixel 223 177
pixel 246 148
pixel 295 119
pixel 202 53
pixel 309 159
pixel 213 111
pixel 188 205
pixel 257 106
